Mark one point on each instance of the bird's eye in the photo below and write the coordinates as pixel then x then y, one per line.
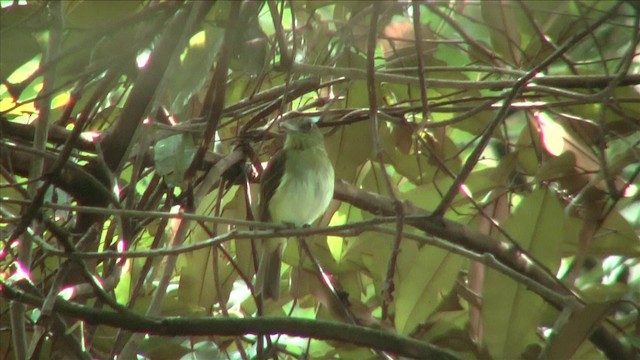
pixel 306 126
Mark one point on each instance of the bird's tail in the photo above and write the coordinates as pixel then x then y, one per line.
pixel 268 276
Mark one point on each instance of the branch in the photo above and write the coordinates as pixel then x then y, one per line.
pixel 502 114
pixel 565 81
pixel 200 326
pixel 214 103
pixel 118 142
pixel 477 242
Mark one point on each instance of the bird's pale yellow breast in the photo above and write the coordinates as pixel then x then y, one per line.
pixel 305 190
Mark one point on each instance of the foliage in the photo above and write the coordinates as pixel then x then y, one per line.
pixel 486 204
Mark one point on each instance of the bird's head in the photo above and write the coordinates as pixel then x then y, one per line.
pixel 302 133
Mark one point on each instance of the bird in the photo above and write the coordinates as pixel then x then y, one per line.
pixel 296 188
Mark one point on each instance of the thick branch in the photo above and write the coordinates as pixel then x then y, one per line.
pixel 186 326
pixel 473 240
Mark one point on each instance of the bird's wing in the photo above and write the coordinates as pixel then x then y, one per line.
pixel 270 181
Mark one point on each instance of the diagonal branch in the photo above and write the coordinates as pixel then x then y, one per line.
pixel 118 142
pixel 477 242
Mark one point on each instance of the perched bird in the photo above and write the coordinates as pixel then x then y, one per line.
pixel 296 189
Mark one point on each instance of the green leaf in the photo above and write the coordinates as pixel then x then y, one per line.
pixel 18 44
pixel 616 237
pixel 91 14
pixel 433 274
pixel 346 154
pixel 189 78
pixel 536 46
pixel 577 330
pixel 510 312
pixel 172 156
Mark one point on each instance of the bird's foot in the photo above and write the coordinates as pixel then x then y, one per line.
pixel 289 225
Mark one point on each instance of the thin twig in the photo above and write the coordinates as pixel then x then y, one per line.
pixel 387 296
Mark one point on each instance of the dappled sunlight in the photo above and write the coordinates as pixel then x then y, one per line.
pixel 445 179
pixel 553 135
